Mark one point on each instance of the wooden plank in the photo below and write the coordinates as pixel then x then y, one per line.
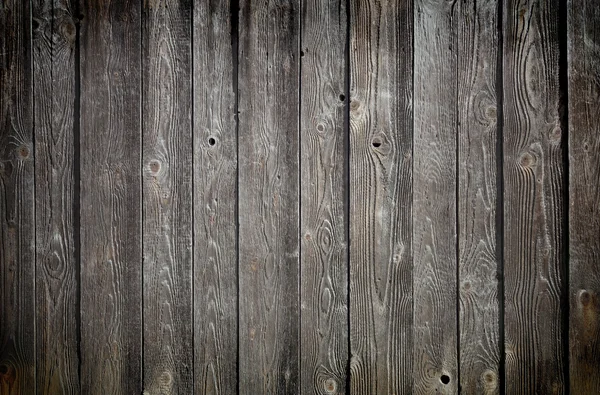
pixel 215 197
pixel 323 140
pixel 57 294
pixel 533 192
pixel 584 192
pixel 381 255
pixel 268 197
pixel 111 258
pixel 477 175
pixel 17 228
pixel 167 197
pixel 434 200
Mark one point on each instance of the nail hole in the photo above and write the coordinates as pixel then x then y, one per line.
pixel 34 24
pixel 342 97
pixel 301 53
pixel 212 141
pixel 445 379
pixel 376 143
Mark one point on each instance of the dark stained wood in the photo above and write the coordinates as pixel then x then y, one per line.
pixel 478 257
pixel 381 260
pixel 434 200
pixel 268 197
pixel 324 266
pixel 17 229
pixel 533 205
pixel 215 200
pixel 167 197
pixel 111 256
pixel 584 196
pixel 54 52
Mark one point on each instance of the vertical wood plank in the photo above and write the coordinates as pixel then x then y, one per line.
pixel 54 51
pixel 584 200
pixel 533 183
pixel 111 262
pixel 434 200
pixel 268 197
pixel 478 255
pixel 215 199
pixel 167 197
pixel 324 277
pixel 17 228
pixel 381 257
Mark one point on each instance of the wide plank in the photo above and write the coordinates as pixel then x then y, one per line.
pixel 111 171
pixel 533 199
pixel 380 221
pixel 268 197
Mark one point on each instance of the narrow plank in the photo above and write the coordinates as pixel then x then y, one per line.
pixel 215 199
pixel 17 201
pixel 434 200
pixel 381 255
pixel 167 197
pixel 323 141
pixel 584 196
pixel 478 256
pixel 533 192
pixel 111 257
pixel 54 52
pixel 268 197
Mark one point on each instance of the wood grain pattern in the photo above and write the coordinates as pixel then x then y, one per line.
pixel 57 297
pixel 381 260
pixel 324 270
pixel 434 199
pixel 478 259
pixel 268 197
pixel 533 206
pixel 167 197
pixel 215 197
pixel 17 201
pixel 584 196
pixel 111 256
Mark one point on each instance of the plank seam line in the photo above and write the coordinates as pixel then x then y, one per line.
pixel 192 211
pixel 141 201
pixel 299 192
pixel 456 196
pixel 347 191
pixel 32 101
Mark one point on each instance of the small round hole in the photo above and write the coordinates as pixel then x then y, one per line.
pixel 342 97
pixel 301 53
pixel 376 143
pixel 212 141
pixel 445 379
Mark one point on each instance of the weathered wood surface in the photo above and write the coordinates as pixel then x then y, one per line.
pixel 268 197
pixel 533 199
pixel 323 193
pixel 435 272
pixel 17 200
pixel 380 158
pixel 57 267
pixel 478 255
pixel 584 196
pixel 167 197
pixel 215 199
pixel 111 171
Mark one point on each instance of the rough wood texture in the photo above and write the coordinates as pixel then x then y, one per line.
pixel 111 258
pixel 434 199
pixel 167 197
pixel 533 206
pixel 478 259
pixel 17 230
pixel 584 189
pixel 215 197
pixel 324 285
pixel 57 299
pixel 268 197
pixel 380 197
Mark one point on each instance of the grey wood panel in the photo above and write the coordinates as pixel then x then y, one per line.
pixel 17 201
pixel 215 199
pixel 479 317
pixel 533 199
pixel 323 140
pixel 381 257
pixel 268 197
pixel 57 294
pixel 434 199
pixel 584 196
pixel 111 256
pixel 167 197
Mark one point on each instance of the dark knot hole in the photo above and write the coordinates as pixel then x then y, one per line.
pixel 212 141
pixel 445 379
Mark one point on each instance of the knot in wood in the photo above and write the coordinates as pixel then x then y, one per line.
pixel 330 386
pixel 23 152
pixel 527 159
pixel 585 298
